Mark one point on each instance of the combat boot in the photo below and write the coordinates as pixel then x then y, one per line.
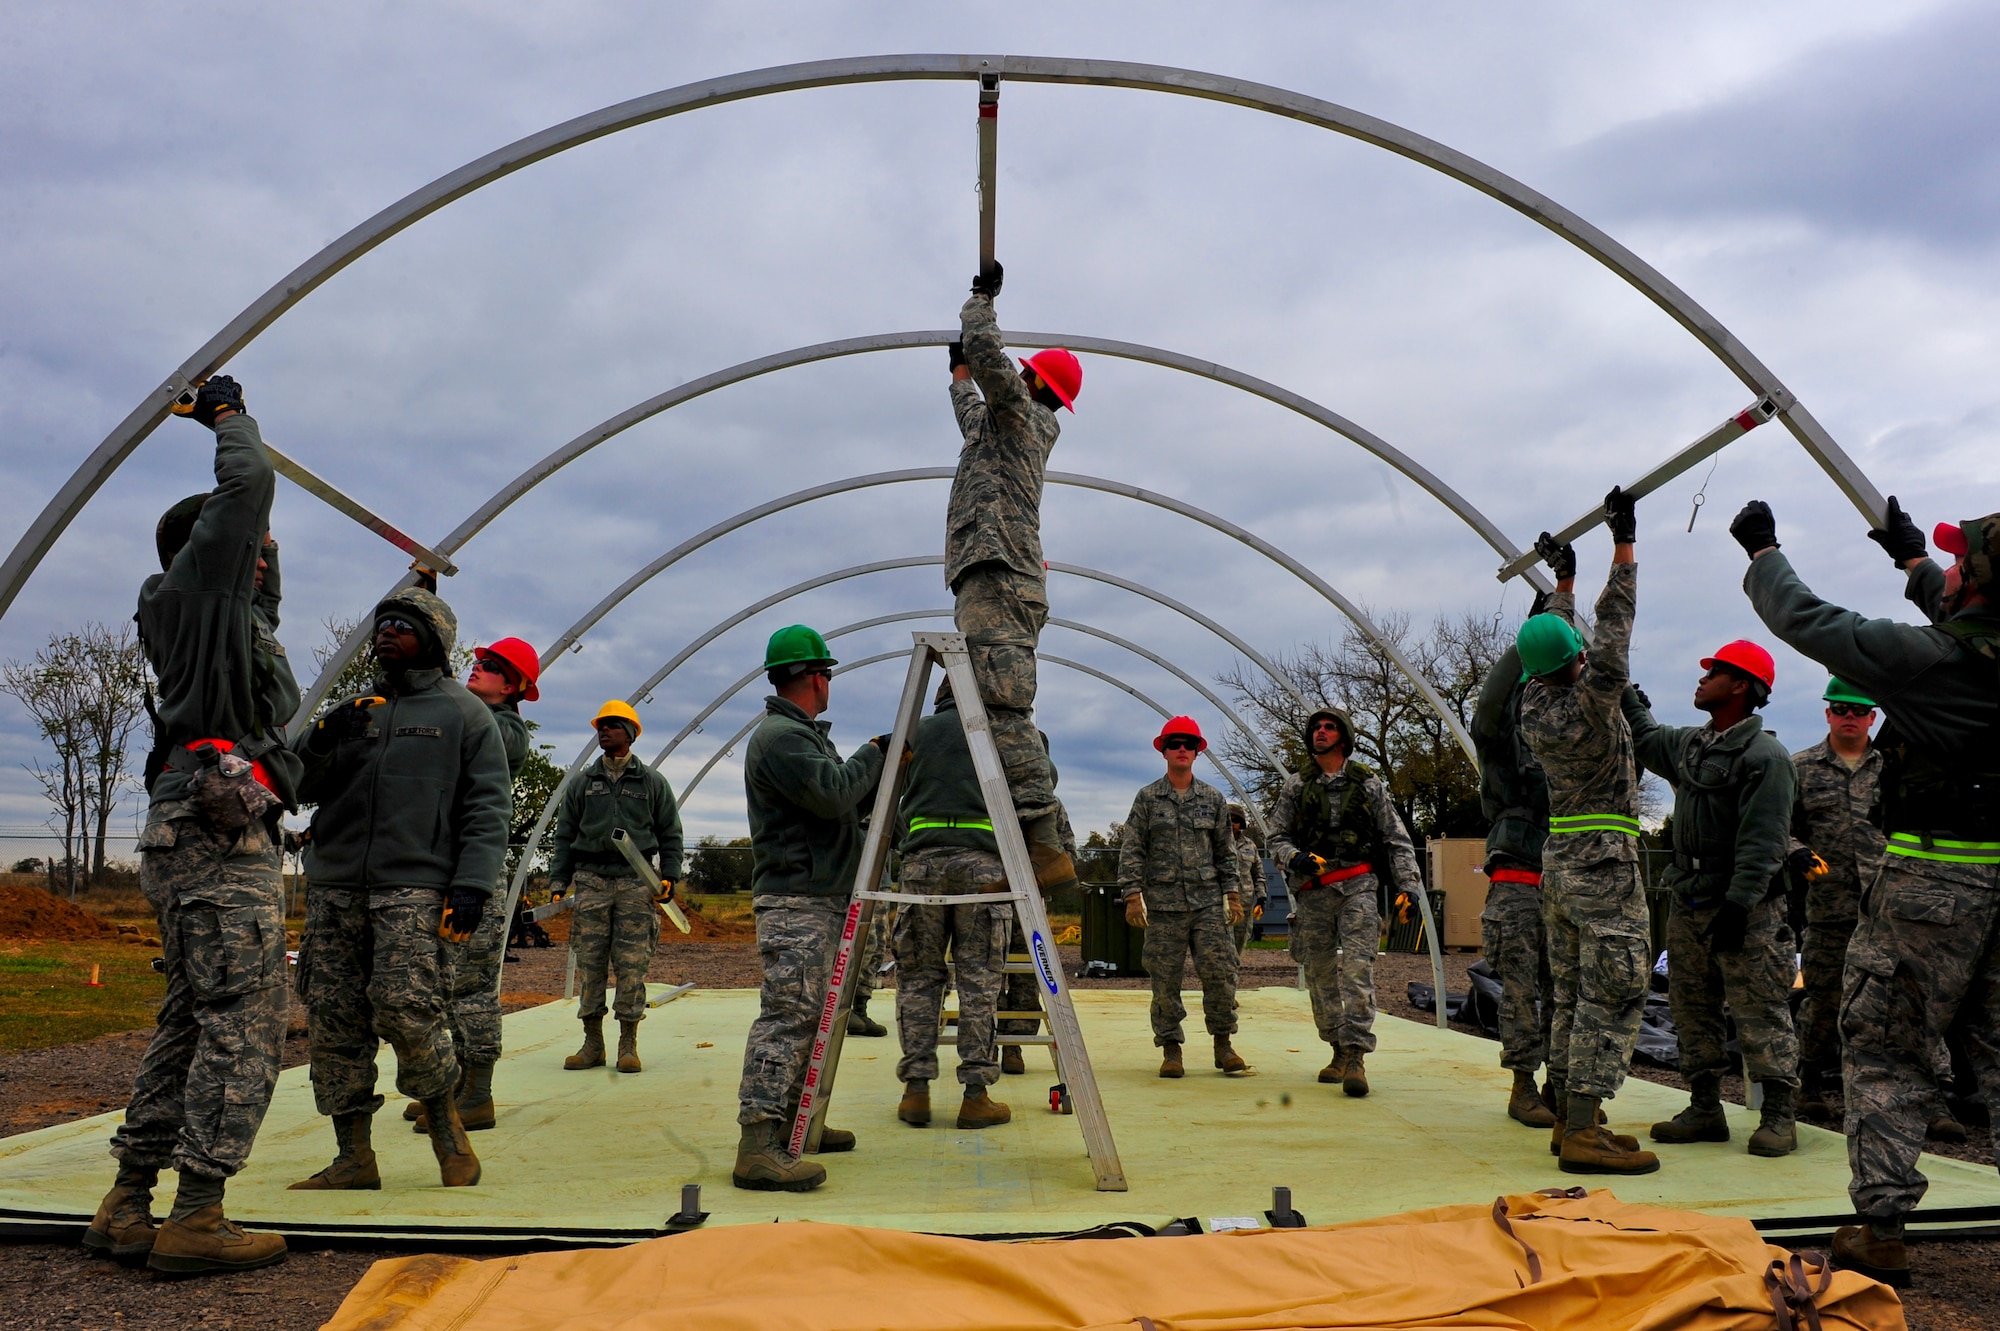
pixel 1944 1125
pixel 1561 1126
pixel 591 1055
pixel 458 1167
pixel 763 1165
pixel 205 1241
pixel 1354 1080
pixel 1011 1061
pixel 123 1226
pixel 1170 1061
pixel 1228 1060
pixel 628 1046
pixel 860 1023
pixel 1702 1120
pixel 1053 867
pixel 1777 1132
pixel 1591 1150
pixel 475 1097
pixel 413 1112
pixel 1524 1104
pixel 915 1107
pixel 981 1110
pixel 1814 1105
pixel 353 1168
pixel 1874 1249
pixel 832 1141
pixel 1336 1067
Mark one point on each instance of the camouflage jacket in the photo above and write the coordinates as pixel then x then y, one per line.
pixel 995 511
pixel 1579 734
pixel 1838 816
pixel 1287 837
pixel 1249 870
pixel 1177 847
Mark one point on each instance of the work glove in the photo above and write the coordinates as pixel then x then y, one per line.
pixel 1135 910
pixel 1725 934
pixel 956 350
pixel 1640 694
pixel 1755 528
pixel 463 910
pixel 666 892
pixel 208 397
pixel 1305 864
pixel 1561 559
pixel 1621 516
pixel 1232 906
pixel 1806 863
pixel 989 286
pixel 347 721
pixel 1540 604
pixel 1257 911
pixel 1901 538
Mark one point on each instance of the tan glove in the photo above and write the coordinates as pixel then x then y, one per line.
pixel 1232 905
pixel 1135 910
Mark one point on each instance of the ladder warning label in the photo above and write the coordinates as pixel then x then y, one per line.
pixel 1044 964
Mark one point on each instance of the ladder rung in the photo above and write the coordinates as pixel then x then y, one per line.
pixel 951 1015
pixel 946 1037
pixel 942 899
pixel 1011 968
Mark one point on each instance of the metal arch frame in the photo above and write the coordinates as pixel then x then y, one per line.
pixel 62 508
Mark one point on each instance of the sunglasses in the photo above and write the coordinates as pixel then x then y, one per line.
pixel 398 625
pixel 1180 742
pixel 1849 709
pixel 1334 726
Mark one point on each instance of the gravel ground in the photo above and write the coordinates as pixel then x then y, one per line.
pixel 55 1285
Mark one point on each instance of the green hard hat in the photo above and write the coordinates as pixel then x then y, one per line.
pixel 1546 643
pixel 1839 690
pixel 795 644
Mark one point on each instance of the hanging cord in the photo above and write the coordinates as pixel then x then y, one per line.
pixel 1701 495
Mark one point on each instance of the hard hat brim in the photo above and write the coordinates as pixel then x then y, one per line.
pixel 1068 402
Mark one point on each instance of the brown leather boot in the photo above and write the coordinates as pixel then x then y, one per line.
pixel 1875 1250
pixel 860 1023
pixel 1945 1127
pixel 1011 1061
pixel 1815 1106
pixel 1592 1150
pixel 1524 1103
pixel 353 1167
pixel 591 1055
pixel 981 1110
pixel 1777 1132
pixel 458 1167
pixel 915 1107
pixel 764 1165
pixel 205 1241
pixel 1170 1061
pixel 1561 1126
pixel 1053 866
pixel 475 1097
pixel 1336 1068
pixel 1354 1080
pixel 1702 1120
pixel 1227 1059
pixel 123 1226
pixel 832 1141
pixel 413 1112
pixel 628 1046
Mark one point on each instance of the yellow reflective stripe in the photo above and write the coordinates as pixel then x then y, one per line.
pixel 969 824
pixel 1594 822
pixel 1912 847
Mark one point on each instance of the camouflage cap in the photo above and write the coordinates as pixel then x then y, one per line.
pixel 1346 727
pixel 433 618
pixel 1978 543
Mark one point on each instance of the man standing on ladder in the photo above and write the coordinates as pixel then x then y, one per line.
pixel 1177 874
pixel 1336 833
pixel 993 548
pixel 805 837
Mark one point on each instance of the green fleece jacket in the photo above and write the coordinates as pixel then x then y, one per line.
pixel 1733 796
pixel 593 806
pixel 804 805
pixel 513 737
pixel 1513 790
pixel 211 636
pixel 942 803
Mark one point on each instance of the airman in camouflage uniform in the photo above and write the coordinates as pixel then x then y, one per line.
pixel 209 862
pixel 1337 838
pixel 1177 874
pixel 1249 872
pixel 1592 899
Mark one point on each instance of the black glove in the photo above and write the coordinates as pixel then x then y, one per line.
pixel 1540 604
pixel 1307 865
pixel 348 721
pixel 1621 516
pixel 1725 935
pixel 1900 537
pixel 1640 694
pixel 1806 863
pixel 213 395
pixel 882 742
pixel 988 285
pixel 956 350
pixel 1754 528
pixel 1561 559
pixel 463 910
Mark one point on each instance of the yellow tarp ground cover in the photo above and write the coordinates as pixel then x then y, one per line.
pixel 1596 1263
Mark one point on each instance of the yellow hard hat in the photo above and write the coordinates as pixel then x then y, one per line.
pixel 618 710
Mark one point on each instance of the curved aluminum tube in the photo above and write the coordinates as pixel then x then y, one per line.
pixel 420 203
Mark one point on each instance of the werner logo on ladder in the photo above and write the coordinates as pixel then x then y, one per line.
pixel 1076 1083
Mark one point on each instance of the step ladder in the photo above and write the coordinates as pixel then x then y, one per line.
pixel 1076 1087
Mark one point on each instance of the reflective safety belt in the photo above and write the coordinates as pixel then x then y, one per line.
pixel 969 824
pixel 1593 822
pixel 1917 846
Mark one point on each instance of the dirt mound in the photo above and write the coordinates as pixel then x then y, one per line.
pixel 30 912
pixel 701 929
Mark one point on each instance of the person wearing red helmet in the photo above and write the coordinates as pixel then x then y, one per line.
pixel 1177 873
pixel 1729 940
pixel 993 548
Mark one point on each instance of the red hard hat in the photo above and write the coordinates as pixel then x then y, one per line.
pixel 1947 537
pixel 1745 656
pixel 1060 371
pixel 1179 725
pixel 526 662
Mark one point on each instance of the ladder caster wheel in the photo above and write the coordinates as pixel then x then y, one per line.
pixel 1059 1099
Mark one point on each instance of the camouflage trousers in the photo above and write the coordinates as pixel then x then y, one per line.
pixel 613 930
pixel 1822 960
pixel 208 1073
pixel 796 940
pixel 1515 940
pixel 1599 946
pixel 369 971
pixel 868 957
pixel 1925 958
pixel 1335 934
pixel 1172 936
pixel 1753 984
pixel 1020 992
pixel 976 934
pixel 472 985
pixel 1001 613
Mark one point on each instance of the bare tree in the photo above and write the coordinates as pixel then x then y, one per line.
pixel 116 682
pixel 54 687
pixel 359 676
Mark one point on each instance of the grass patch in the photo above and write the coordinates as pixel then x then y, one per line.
pixel 45 998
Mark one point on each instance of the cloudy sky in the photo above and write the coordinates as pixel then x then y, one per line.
pixel 1819 176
